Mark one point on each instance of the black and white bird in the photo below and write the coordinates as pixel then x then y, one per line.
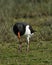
pixel 22 28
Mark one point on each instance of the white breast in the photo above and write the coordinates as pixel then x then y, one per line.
pixel 27 32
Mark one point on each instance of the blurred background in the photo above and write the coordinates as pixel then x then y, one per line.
pixel 38 13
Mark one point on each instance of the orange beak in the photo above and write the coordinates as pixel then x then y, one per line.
pixel 19 35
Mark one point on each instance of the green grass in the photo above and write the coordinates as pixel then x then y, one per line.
pixel 40 54
pixel 40 48
pixel 39 15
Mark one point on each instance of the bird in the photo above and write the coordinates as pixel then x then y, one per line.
pixel 22 28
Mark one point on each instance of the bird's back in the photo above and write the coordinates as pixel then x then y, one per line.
pixel 19 27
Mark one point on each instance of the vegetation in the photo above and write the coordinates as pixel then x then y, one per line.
pixel 38 13
pixel 40 54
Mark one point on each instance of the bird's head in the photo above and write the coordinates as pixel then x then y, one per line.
pixel 34 31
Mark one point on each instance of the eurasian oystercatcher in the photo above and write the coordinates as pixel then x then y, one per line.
pixel 22 28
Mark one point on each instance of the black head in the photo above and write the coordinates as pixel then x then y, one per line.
pixel 31 29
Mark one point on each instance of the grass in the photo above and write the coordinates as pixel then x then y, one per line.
pixel 40 54
pixel 39 15
pixel 40 48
